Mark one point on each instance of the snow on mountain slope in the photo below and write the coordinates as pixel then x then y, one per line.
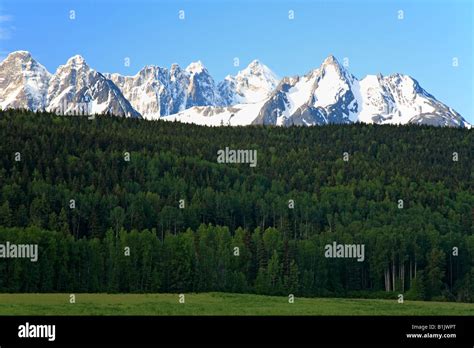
pixel 324 95
pixel 327 94
pixel 399 99
pixel 251 85
pixel 236 115
pixel 195 68
pixel 157 92
pixel 331 86
pixel 298 95
pixel 154 91
pixel 23 82
pixel 202 90
pixel 76 88
pixel 330 94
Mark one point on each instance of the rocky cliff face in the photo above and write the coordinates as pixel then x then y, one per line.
pixel 23 82
pixel 76 88
pixel 327 94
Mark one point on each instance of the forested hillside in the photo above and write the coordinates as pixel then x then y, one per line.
pixel 86 190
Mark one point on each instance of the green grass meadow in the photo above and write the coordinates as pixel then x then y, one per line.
pixel 216 304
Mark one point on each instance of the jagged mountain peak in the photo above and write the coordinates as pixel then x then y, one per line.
pixel 399 99
pixel 151 70
pixel 77 88
pixel 155 91
pixel 326 94
pixel 330 60
pixel 23 82
pixel 76 60
pixel 201 90
pixel 408 82
pixel 175 67
pixel 21 55
pixel 150 67
pixel 250 85
pixel 257 68
pixel 255 63
pixel 196 68
pixel 24 61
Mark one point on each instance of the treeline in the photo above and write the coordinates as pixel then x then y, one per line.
pixel 407 192
pixel 213 259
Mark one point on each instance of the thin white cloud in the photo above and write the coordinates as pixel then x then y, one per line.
pixel 5 31
pixel 4 34
pixel 5 18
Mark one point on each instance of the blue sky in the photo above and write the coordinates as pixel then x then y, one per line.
pixel 368 32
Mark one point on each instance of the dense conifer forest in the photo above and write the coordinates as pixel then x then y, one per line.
pixel 128 205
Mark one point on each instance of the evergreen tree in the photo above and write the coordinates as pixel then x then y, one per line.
pixel 5 215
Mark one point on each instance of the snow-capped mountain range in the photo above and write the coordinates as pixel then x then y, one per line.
pixel 327 94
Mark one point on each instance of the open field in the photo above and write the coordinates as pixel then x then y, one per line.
pixel 216 304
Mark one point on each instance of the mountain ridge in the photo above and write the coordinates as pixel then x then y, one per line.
pixel 255 95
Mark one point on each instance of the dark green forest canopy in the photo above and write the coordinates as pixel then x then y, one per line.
pixel 408 249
